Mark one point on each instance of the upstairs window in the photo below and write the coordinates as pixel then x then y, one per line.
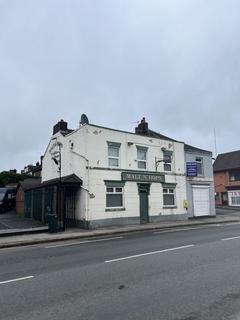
pixel 199 162
pixel 142 157
pixel 167 158
pixel 113 154
pixel 234 175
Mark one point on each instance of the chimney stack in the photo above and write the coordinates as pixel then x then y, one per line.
pixel 60 126
pixel 142 128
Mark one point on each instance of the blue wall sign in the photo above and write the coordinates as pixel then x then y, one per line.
pixel 191 169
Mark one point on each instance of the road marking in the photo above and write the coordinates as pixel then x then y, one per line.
pixel 149 253
pixel 232 238
pixel 186 229
pixel 176 230
pixel 82 242
pixel 15 280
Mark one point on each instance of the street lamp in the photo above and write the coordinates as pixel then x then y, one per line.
pixel 56 157
pixel 157 161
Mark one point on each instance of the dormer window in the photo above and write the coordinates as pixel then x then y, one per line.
pixel 113 154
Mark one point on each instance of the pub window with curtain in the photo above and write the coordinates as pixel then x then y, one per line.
pixel 114 197
pixel 168 196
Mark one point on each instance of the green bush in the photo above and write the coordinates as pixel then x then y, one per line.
pixel 9 177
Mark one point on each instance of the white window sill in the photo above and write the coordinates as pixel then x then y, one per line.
pixel 115 209
pixel 169 207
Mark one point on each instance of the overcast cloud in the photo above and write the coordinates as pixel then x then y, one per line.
pixel 176 62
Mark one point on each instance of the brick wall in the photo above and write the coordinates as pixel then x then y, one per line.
pixel 221 180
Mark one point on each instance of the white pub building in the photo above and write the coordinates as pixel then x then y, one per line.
pixel 126 178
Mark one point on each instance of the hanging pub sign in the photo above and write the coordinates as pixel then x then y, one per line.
pixel 55 149
pixel 191 169
pixel 143 177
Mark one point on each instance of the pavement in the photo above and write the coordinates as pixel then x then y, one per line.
pixel 73 234
pixel 10 220
pixel 178 274
pixel 227 211
pixel 229 208
pixel 11 224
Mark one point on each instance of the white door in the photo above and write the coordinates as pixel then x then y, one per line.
pixel 201 201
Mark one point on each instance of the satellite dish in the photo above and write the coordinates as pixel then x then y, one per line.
pixel 84 119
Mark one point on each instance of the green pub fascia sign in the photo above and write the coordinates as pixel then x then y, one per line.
pixel 143 177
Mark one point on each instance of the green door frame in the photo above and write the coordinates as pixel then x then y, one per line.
pixel 143 191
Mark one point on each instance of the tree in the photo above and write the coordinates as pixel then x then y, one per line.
pixel 7 177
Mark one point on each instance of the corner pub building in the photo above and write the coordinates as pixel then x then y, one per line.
pixel 127 178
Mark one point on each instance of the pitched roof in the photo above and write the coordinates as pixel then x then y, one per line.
pixel 227 161
pixel 150 133
pixel 188 147
pixel 155 134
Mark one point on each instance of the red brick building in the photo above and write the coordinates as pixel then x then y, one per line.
pixel 227 179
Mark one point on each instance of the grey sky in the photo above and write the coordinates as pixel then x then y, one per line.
pixel 176 62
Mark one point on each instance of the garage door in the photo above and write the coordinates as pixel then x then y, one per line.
pixel 201 201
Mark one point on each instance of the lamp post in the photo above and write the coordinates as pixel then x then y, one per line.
pixel 58 161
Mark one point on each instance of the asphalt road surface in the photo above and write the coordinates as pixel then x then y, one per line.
pixel 185 274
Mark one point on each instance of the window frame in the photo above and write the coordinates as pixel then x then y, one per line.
pixel 235 200
pixel 145 161
pixel 116 146
pixel 235 174
pixel 199 160
pixel 168 188
pixel 114 192
pixel 167 156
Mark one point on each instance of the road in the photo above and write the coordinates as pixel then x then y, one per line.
pixel 184 274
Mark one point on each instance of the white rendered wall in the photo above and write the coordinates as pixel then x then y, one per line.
pixel 131 198
pixel 87 147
